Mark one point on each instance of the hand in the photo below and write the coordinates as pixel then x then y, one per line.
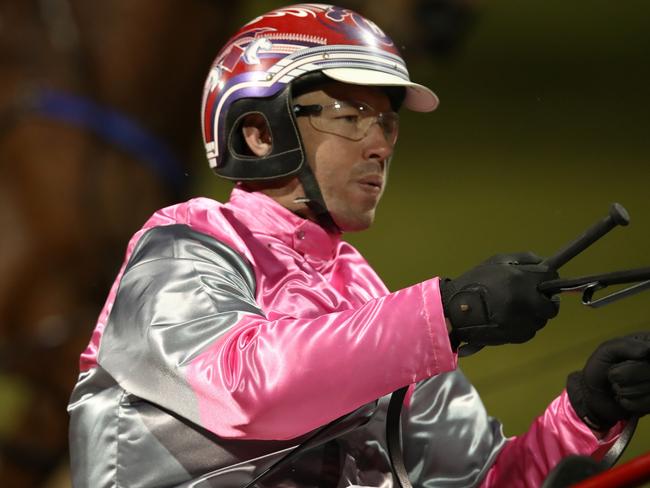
pixel 497 302
pixel 615 382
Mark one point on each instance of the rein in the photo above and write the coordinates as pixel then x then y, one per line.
pixel 110 125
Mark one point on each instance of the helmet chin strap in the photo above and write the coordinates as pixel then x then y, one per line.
pixel 314 199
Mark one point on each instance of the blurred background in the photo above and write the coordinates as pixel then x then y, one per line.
pixel 543 123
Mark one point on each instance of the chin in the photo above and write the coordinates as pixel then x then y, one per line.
pixel 355 223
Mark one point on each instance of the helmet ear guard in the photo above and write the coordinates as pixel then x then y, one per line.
pixel 286 156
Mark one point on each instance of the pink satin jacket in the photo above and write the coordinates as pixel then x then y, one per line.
pixel 234 330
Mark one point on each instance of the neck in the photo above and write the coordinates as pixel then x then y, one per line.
pixel 287 192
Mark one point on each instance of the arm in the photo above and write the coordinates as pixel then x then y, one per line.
pixel 587 418
pixel 526 460
pixel 450 440
pixel 185 333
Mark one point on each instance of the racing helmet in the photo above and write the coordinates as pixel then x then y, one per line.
pixel 254 71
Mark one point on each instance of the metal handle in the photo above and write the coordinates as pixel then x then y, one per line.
pixel 578 284
pixel 617 216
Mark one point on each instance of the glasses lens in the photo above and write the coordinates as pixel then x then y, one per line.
pixel 389 122
pixel 341 118
pixel 353 120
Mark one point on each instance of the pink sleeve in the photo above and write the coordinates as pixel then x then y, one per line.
pixel 526 460
pixel 282 378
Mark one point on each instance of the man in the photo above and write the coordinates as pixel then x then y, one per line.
pixel 234 332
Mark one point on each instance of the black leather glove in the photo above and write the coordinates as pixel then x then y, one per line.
pixel 615 382
pixel 497 302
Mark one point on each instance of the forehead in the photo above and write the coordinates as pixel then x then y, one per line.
pixel 372 95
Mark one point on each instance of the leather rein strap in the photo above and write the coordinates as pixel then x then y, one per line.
pixel 394 438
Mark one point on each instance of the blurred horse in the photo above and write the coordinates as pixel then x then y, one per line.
pixel 98 104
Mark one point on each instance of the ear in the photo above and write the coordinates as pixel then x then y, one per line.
pixel 257 134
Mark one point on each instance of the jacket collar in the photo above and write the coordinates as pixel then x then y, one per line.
pixel 263 215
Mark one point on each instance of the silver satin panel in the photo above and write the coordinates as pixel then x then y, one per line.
pixel 154 329
pixel 119 439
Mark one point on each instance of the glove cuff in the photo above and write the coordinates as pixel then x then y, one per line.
pixel 447 290
pixel 576 391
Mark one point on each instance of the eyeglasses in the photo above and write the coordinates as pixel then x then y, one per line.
pixel 349 119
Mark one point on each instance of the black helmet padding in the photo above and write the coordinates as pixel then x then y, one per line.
pixel 286 156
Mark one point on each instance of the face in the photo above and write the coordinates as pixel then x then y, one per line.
pixel 351 173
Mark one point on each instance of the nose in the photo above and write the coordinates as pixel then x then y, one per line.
pixel 376 146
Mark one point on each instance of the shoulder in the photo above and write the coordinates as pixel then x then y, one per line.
pixel 202 218
pixel 180 241
pixel 199 230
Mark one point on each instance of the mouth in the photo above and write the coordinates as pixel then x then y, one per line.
pixel 372 183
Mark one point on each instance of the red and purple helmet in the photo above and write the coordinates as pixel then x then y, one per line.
pixel 262 60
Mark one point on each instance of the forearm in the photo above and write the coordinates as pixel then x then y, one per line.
pixel 280 379
pixel 526 460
